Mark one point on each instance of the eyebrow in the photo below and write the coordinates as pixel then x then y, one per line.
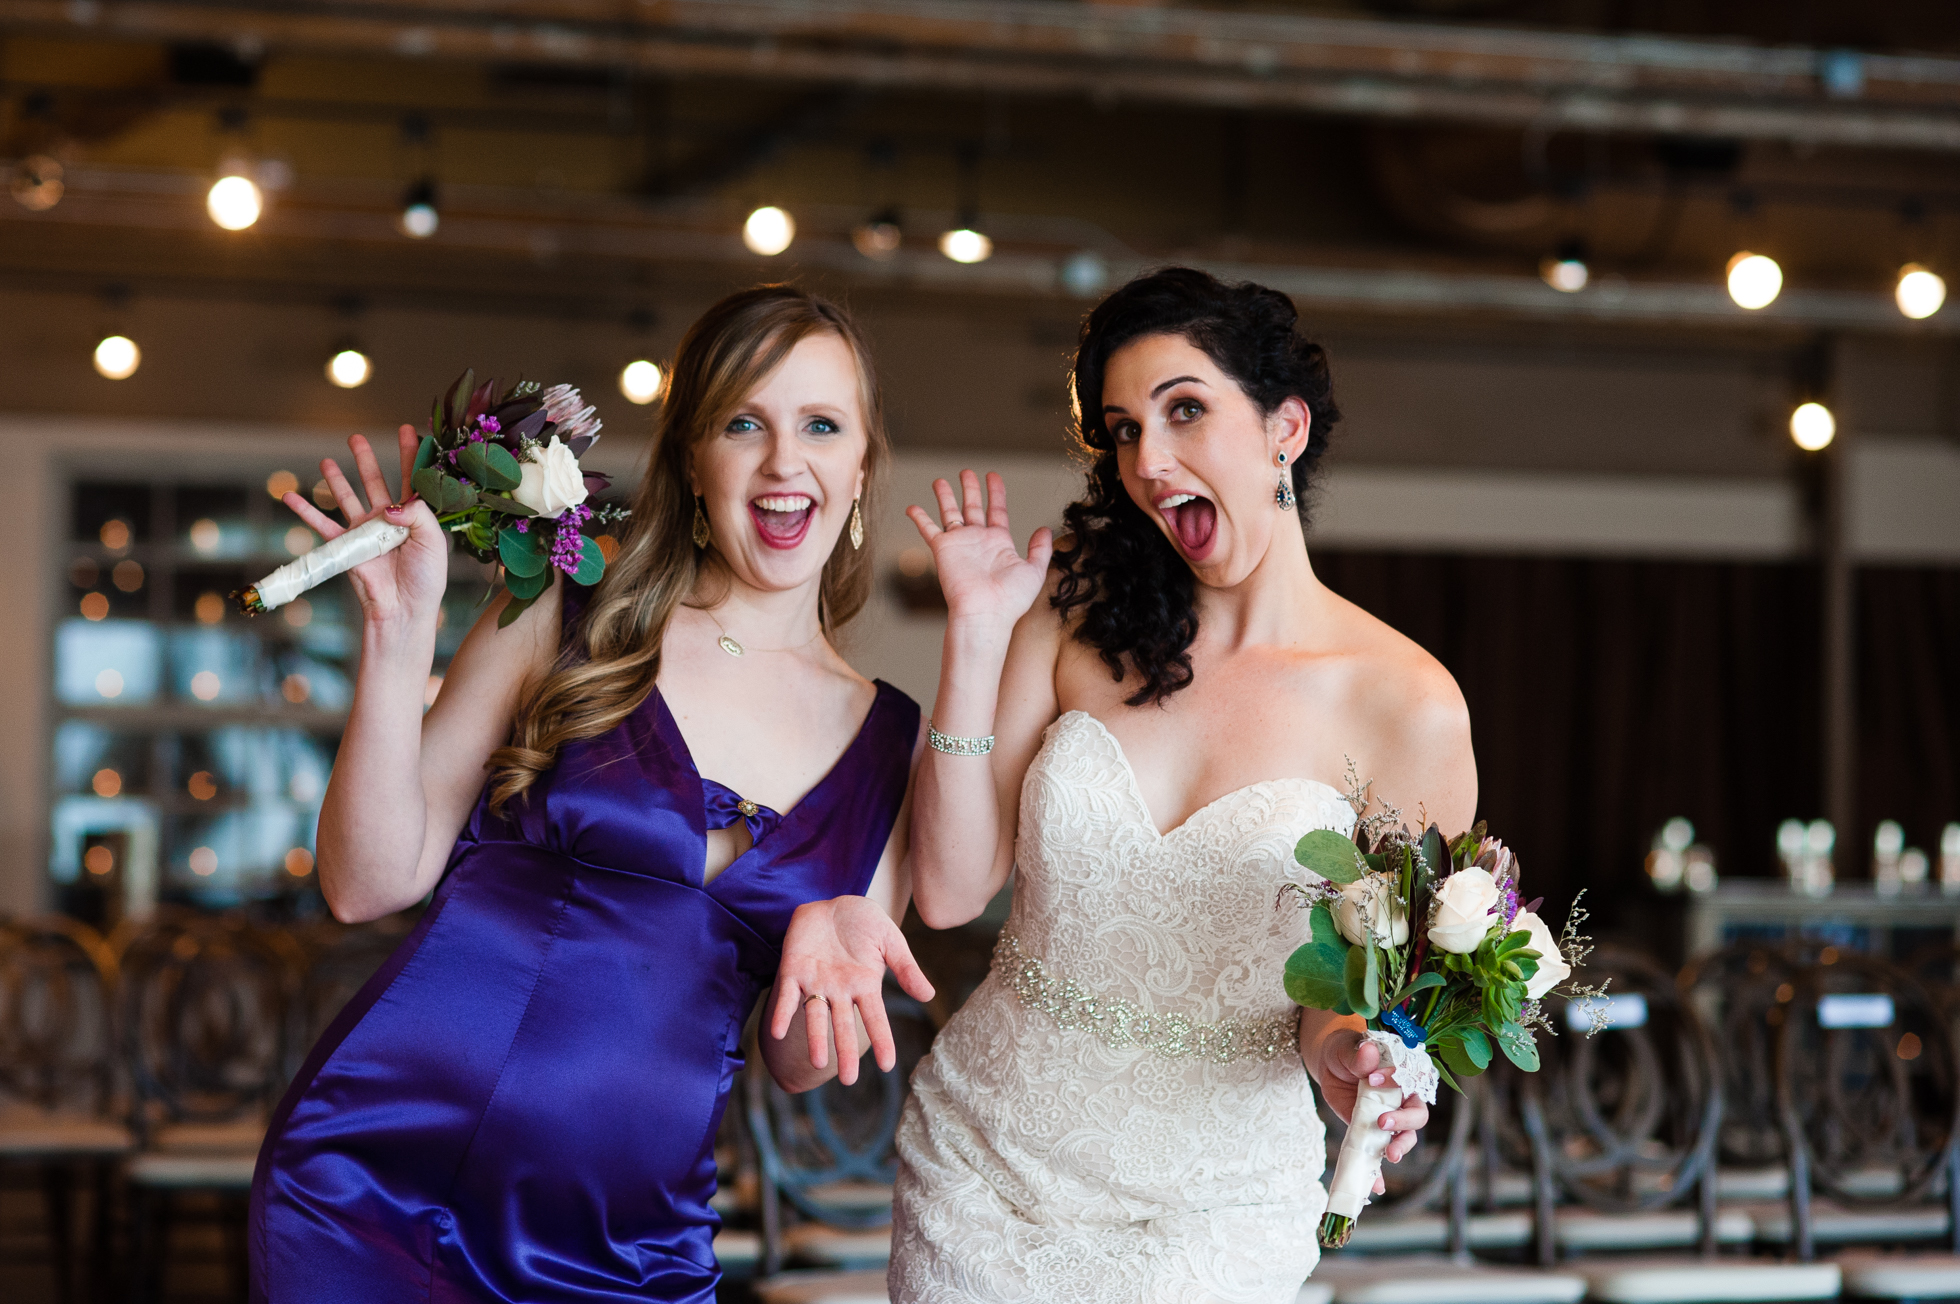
pixel 1174 380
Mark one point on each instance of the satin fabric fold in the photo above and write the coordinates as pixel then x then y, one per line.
pixel 522 1104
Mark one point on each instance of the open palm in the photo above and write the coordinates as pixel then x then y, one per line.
pixel 980 572
pixel 405 581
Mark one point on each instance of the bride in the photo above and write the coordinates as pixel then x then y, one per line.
pixel 1122 1111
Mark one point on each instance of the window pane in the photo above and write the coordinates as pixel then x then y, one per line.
pixel 107 662
pixel 91 758
pixel 215 666
pixel 213 521
pixel 97 503
pixel 202 594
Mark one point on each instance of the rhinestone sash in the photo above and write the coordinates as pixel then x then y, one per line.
pixel 1124 1024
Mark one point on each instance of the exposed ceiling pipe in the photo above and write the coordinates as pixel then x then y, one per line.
pixel 1359 67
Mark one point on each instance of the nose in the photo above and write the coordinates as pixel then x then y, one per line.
pixel 784 456
pixel 1154 458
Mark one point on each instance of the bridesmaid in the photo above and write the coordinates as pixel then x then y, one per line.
pixel 691 798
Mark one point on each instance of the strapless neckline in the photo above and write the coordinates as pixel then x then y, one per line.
pixel 1214 806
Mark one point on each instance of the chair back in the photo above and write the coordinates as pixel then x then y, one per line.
pixel 57 1049
pixel 1868 1091
pixel 1623 1119
pixel 337 960
pixel 203 1018
pixel 1739 992
pixel 830 1150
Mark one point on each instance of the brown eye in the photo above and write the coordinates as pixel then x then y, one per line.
pixel 1188 410
pixel 1123 432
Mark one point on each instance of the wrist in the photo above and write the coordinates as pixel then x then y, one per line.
pixel 979 636
pixel 398 636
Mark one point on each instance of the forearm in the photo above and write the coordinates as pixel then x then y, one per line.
pixel 374 820
pixel 960 855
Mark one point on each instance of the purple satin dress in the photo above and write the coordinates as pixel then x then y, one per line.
pixel 522 1104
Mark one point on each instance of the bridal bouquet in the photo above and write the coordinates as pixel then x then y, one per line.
pixel 501 472
pixel 1426 940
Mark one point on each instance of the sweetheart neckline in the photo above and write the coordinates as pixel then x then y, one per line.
pixel 1149 821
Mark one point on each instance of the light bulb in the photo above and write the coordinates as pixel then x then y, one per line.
pixel 878 237
pixel 117 357
pixel 349 369
pixel 640 381
pixel 1920 292
pixel 419 218
pixel 768 231
pixel 1754 280
pixel 1566 275
pixel 1813 427
pixel 965 245
pixel 234 202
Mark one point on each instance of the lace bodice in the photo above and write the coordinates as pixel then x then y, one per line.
pixel 1048 1158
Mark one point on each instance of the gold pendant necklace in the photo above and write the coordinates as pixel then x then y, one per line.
pixel 728 644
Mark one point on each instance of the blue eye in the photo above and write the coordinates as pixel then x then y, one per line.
pixel 743 425
pixel 823 426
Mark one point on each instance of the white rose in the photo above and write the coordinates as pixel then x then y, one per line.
pixel 1461 916
pixel 1369 904
pixel 551 483
pixel 1552 968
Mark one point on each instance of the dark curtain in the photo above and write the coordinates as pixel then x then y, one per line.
pixel 1607 696
pixel 1908 660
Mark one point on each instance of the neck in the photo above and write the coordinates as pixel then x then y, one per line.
pixel 1275 604
pixel 765 618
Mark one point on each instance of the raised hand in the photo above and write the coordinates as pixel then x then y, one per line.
pixel 980 572
pixel 1347 1058
pixel 408 580
pixel 834 958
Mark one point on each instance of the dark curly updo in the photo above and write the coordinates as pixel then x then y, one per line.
pixel 1137 592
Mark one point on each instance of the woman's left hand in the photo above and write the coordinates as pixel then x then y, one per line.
pixel 1347 1060
pixel 834 958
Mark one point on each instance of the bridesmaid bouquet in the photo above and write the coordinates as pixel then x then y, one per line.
pixel 501 472
pixel 1426 940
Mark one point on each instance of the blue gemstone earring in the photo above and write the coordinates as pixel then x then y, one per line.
pixel 1283 496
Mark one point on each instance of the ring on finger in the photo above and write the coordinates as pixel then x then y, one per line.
pixel 816 996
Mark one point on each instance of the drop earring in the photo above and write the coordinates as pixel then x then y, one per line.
pixel 700 524
pixel 857 526
pixel 1283 495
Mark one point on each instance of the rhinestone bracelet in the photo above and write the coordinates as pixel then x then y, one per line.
pixel 952 746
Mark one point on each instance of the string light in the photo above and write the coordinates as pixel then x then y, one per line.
pixel 419 218
pixel 234 202
pixel 879 235
pixel 1920 291
pixel 1754 280
pixel 117 357
pixel 349 368
pixel 963 244
pixel 768 231
pixel 1812 427
pixel 1566 270
pixel 639 381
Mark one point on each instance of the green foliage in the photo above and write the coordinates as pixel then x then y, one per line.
pixel 425 453
pixel 444 493
pixel 591 562
pixel 1518 1045
pixel 1363 981
pixel 513 609
pixel 522 553
pixel 1330 855
pixel 459 398
pixel 490 466
pixel 1316 974
pixel 1466 1051
pixel 527 586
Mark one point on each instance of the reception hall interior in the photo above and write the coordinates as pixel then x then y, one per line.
pixel 1650 434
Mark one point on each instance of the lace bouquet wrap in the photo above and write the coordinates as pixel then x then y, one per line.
pixel 1426 941
pixel 500 469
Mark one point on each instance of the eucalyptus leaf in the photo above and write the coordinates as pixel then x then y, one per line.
pixel 1452 1055
pixel 513 609
pixel 1330 855
pixel 1316 974
pixel 520 552
pixel 591 562
pixel 527 586
pixel 508 506
pixel 1519 1046
pixel 490 466
pixel 1372 982
pixel 426 481
pixel 1477 1047
pixel 1354 981
pixel 425 453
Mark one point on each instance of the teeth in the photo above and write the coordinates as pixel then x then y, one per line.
pixel 1177 500
pixel 784 503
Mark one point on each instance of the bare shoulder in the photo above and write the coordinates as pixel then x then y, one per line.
pixel 1419 730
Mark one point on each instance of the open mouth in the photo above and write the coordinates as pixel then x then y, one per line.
pixel 1193 521
pixel 782 519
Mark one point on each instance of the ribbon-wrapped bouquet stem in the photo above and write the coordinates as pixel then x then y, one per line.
pixel 1424 939
pixel 500 469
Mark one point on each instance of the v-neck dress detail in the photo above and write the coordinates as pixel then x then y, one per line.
pixel 522 1104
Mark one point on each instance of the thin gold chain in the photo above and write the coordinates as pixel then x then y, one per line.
pixel 734 648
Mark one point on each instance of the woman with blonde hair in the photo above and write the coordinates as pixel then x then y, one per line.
pixel 691 799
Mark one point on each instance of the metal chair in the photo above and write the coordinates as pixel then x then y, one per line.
pixel 57 1079
pixel 1624 1125
pixel 204 1021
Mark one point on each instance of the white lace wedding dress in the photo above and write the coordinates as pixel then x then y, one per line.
pixel 1119 1113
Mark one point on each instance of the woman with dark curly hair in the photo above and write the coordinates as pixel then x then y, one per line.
pixel 1122 1111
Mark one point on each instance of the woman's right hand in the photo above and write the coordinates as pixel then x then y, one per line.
pixel 403 583
pixel 985 580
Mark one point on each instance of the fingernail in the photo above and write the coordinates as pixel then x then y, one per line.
pixel 1375 1079
pixel 393 509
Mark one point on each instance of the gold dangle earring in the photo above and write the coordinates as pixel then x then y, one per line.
pixel 1284 494
pixel 857 526
pixel 700 524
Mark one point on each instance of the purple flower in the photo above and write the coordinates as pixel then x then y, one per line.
pixel 523 527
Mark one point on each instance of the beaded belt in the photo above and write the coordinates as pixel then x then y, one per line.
pixel 1124 1024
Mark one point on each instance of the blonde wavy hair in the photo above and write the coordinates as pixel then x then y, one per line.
pixel 607 669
